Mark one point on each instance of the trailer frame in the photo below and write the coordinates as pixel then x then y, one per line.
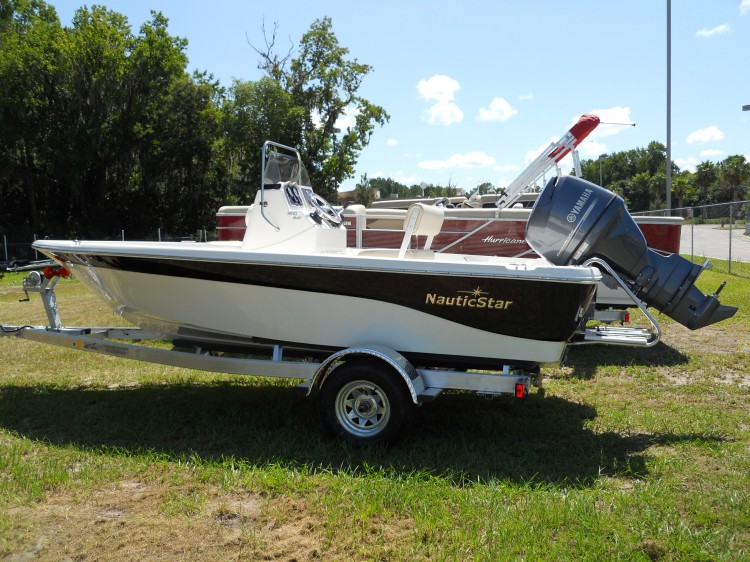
pixel 358 417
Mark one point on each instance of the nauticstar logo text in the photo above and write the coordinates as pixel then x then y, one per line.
pixel 576 210
pixel 471 299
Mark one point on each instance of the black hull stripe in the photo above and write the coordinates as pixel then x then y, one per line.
pixel 523 308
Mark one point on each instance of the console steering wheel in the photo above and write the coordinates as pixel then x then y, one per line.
pixel 325 210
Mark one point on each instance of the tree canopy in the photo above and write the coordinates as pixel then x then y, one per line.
pixel 639 176
pixel 102 128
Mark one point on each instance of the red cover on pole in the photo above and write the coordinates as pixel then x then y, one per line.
pixel 580 131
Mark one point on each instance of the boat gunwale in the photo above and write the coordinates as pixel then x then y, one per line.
pixel 441 264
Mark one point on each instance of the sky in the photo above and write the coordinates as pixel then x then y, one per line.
pixel 475 89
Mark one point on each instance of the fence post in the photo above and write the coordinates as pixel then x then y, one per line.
pixel 36 254
pixel 731 220
pixel 158 233
pixel 691 216
pixel 5 244
pixel 123 235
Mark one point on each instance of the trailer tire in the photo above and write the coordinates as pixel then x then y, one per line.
pixel 365 403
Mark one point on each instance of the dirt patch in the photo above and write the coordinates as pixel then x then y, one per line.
pixel 136 520
pixel 711 339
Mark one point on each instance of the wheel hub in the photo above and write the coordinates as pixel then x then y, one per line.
pixel 365 406
pixel 362 408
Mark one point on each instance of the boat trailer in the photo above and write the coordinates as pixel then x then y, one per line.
pixel 367 394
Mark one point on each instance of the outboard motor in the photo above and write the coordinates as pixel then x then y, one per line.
pixel 574 220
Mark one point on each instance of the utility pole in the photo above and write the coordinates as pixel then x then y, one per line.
pixel 669 104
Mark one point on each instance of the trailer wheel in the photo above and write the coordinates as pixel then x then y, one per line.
pixel 365 403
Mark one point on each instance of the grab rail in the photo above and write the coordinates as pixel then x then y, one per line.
pixel 621 336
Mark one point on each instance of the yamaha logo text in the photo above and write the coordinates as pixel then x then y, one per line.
pixel 576 210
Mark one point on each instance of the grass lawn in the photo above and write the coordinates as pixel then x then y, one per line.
pixel 626 454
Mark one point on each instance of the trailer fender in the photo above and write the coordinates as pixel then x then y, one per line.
pixel 394 359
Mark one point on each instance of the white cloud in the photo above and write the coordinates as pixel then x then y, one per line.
pixel 745 7
pixel 711 152
pixel 499 110
pixel 709 134
pixel 440 89
pixel 613 116
pixel 591 149
pixel 392 142
pixel 687 164
pixel 530 96
pixel 443 113
pixel 718 30
pixel 477 159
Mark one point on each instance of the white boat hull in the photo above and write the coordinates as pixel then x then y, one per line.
pixel 240 312
pixel 447 310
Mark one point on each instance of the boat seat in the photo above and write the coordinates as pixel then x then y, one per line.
pixel 356 210
pixel 421 220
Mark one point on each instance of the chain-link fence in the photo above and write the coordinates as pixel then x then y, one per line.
pixel 720 232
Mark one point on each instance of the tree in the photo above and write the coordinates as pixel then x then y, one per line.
pixel 388 187
pixel 183 159
pixel 681 188
pixel 653 159
pixel 31 42
pixel 102 129
pixel 637 192
pixel 705 176
pixel 253 113
pixel 625 165
pixel 363 191
pixel 484 188
pixel 734 172
pixel 336 123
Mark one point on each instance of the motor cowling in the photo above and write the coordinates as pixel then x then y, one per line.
pixel 574 220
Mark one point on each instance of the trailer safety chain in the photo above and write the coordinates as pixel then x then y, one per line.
pixel 13 329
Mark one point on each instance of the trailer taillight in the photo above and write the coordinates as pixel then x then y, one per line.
pixel 50 272
pixel 520 390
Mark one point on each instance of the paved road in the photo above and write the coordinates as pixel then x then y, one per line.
pixel 713 242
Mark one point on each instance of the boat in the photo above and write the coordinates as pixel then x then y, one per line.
pixel 491 224
pixel 294 281
pixel 484 230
